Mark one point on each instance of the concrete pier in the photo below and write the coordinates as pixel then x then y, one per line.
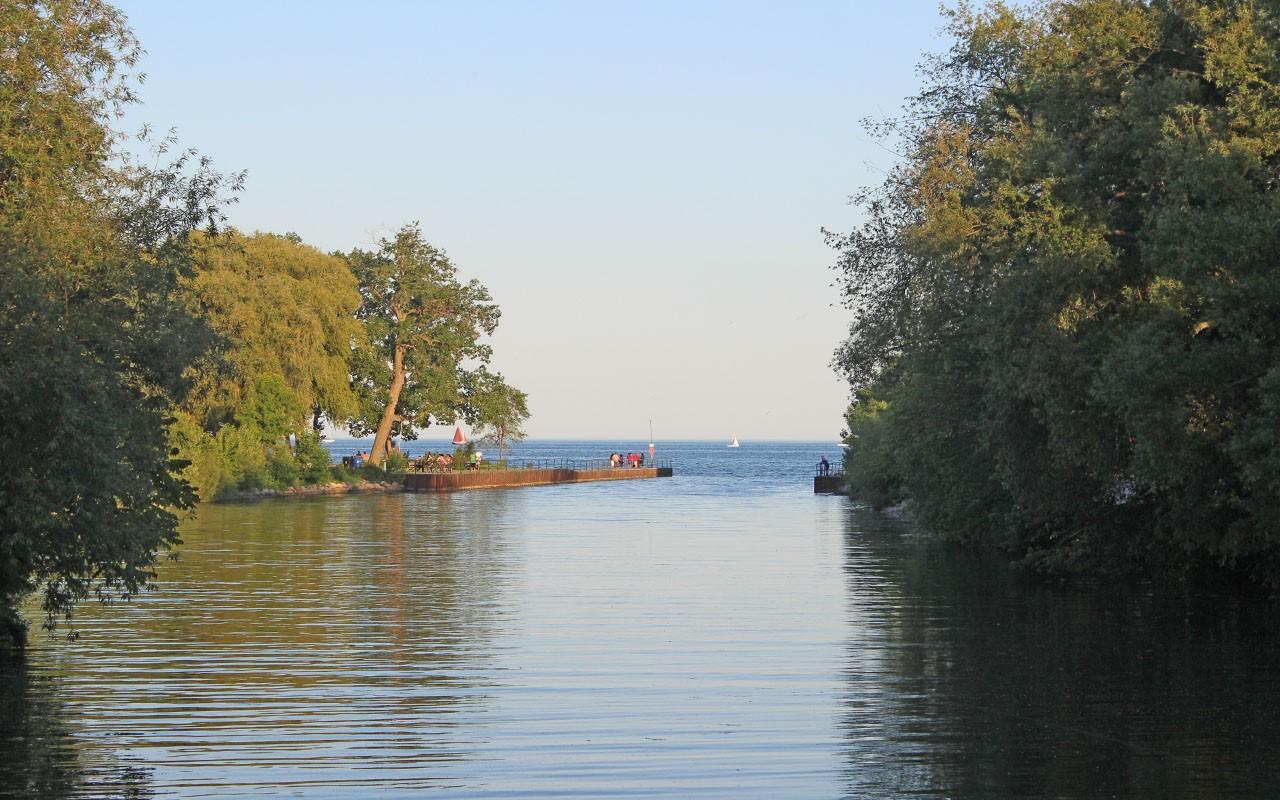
pixel 537 476
pixel 830 484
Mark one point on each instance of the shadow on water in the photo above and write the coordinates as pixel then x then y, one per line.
pixel 318 646
pixel 966 678
pixel 40 754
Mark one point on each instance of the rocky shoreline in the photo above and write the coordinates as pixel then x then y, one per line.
pixel 316 490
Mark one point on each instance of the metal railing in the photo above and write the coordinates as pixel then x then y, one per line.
pixel 832 471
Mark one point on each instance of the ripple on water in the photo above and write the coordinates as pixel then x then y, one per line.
pixel 720 634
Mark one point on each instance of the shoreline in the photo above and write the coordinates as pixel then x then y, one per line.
pixel 312 490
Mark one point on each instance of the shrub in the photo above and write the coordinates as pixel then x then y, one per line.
pixel 396 461
pixel 312 457
pixel 282 468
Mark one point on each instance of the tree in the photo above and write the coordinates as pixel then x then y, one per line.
pixel 424 330
pixel 92 338
pixel 281 308
pixel 1065 295
pixel 285 316
pixel 499 410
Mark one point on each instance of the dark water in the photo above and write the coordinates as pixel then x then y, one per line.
pixel 723 633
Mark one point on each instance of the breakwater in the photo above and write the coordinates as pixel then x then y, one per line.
pixel 534 476
pixel 830 484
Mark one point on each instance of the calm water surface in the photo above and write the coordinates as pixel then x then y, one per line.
pixel 723 633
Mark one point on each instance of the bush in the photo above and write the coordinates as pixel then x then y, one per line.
pixel 342 474
pixel 312 457
pixel 282 468
pixel 869 464
pixel 379 475
pixel 396 461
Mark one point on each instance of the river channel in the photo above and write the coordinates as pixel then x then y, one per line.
pixel 722 634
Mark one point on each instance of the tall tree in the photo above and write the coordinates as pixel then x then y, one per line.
pixel 93 342
pixel 281 308
pixel 1065 298
pixel 426 332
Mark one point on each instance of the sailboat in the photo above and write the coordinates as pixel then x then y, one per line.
pixel 734 443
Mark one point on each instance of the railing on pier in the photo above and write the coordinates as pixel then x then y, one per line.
pixel 532 472
pixel 829 480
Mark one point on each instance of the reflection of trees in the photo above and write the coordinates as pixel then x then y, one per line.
pixel 341 640
pixel 968 679
pixel 40 758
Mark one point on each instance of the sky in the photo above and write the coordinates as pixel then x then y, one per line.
pixel 641 186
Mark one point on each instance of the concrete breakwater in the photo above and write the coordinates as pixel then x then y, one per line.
pixel 830 484
pixel 536 476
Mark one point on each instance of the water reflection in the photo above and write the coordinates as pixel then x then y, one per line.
pixel 968 679
pixel 42 755
pixel 717 635
pixel 323 644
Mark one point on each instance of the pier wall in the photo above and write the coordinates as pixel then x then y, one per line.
pixel 829 484
pixel 499 478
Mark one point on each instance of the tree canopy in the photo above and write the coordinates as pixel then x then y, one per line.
pixel 145 347
pixel 282 308
pixel 1065 296
pixel 499 410
pixel 93 341
pixel 426 332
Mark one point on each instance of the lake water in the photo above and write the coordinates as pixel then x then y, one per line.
pixel 723 633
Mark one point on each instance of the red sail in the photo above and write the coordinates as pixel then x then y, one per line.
pixel 458 438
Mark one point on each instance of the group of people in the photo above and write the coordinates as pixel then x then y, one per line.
pixel 630 460
pixel 361 457
pixel 443 462
pixel 357 460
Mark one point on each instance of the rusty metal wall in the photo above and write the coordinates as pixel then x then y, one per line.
pixel 493 479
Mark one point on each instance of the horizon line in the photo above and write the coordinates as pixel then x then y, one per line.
pixel 834 440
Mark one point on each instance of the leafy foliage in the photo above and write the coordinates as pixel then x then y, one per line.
pixel 283 309
pixel 424 329
pixel 499 410
pixel 1066 295
pixel 91 333
pixel 284 313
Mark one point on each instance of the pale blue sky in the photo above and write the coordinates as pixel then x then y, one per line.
pixel 641 187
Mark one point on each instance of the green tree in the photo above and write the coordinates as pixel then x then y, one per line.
pixel 282 308
pixel 425 329
pixel 1065 293
pixel 93 342
pixel 285 316
pixel 499 411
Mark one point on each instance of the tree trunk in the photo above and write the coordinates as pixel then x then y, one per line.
pixel 379 451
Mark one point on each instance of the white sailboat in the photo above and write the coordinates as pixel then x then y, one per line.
pixel 734 443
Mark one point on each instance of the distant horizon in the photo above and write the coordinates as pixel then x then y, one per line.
pixel 720 440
